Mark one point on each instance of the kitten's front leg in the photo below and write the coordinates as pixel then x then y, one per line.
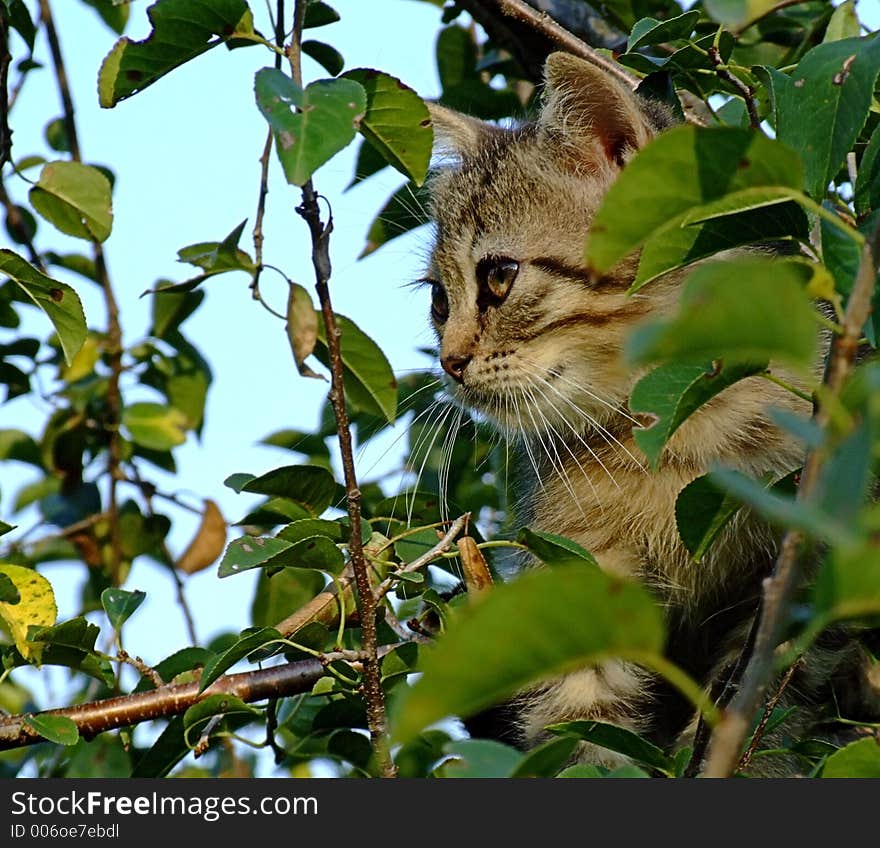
pixel 614 692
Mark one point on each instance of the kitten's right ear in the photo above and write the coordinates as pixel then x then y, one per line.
pixel 585 106
pixel 457 133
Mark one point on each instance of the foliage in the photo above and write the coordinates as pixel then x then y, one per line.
pixel 119 410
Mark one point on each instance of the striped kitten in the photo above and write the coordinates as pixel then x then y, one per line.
pixel 532 340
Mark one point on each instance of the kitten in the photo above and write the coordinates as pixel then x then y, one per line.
pixel 533 341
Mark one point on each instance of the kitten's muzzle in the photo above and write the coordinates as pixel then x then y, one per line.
pixel 454 366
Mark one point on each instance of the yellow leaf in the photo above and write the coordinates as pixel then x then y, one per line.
pixel 37 606
pixel 84 362
pixel 207 544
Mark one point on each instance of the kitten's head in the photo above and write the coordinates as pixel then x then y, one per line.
pixel 528 335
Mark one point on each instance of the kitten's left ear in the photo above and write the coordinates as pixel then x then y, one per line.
pixel 585 107
pixel 457 133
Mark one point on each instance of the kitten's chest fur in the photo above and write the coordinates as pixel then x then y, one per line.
pixel 596 489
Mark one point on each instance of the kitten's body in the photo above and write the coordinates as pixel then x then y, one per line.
pixel 535 342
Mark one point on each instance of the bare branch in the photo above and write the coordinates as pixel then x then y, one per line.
pixel 727 740
pixel 143 669
pixel 111 713
pixel 746 91
pixel 426 558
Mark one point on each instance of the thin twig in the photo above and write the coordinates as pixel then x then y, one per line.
pixel 727 740
pixel 201 747
pixel 278 752
pixel 264 170
pixel 5 59
pixel 143 669
pixel 768 712
pixel 425 559
pixel 310 212
pixel 114 330
pixel 747 92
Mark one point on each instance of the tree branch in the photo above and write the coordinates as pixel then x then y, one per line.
pixel 114 330
pixel 727 740
pixel 492 15
pixel 310 211
pixel 111 713
pixel 747 93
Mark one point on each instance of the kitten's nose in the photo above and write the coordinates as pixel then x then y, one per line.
pixel 454 366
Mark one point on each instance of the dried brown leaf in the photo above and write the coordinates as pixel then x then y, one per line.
pixel 208 543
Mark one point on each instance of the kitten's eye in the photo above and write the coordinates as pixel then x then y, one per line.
pixel 495 275
pixel 439 303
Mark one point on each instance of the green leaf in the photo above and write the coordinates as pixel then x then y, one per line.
pixel 848 585
pixel 120 604
pixel 547 759
pixel 677 245
pixel 833 84
pixel 844 22
pixel 554 550
pixel 780 509
pixel 214 257
pixel 20 446
pixel 867 188
pixel 674 391
pixel 182 30
pixel 214 705
pixel 702 511
pixel 396 123
pixel 577 616
pixel 683 168
pixel 155 426
pixel 319 14
pixel 186 661
pixel 9 593
pixel 329 112
pixel 617 739
pixel 456 55
pixel 75 198
pixel 310 485
pixel 247 644
pixel 858 759
pixel 748 309
pixel 251 552
pixel 649 31
pixel 329 58
pixel 369 161
pixel 286 590
pixel 114 14
pixel 474 758
pixel 56 728
pixel 737 14
pixel 582 772
pixel 21 22
pixel 405 210
pixel 58 300
pixel 55 134
pixel 168 750
pixel 369 381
